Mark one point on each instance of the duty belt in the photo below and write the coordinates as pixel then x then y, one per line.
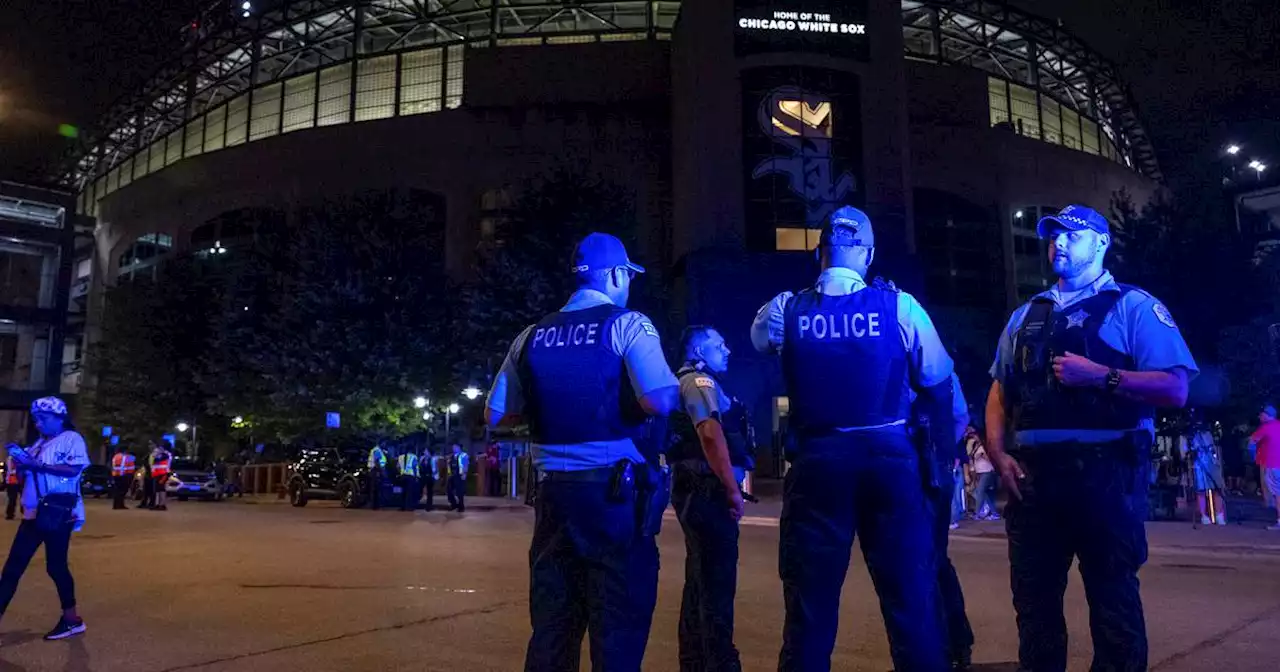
pixel 601 475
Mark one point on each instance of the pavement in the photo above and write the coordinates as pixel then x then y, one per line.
pixel 255 584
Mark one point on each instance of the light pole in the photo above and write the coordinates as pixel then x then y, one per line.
pixel 448 412
pixel 183 427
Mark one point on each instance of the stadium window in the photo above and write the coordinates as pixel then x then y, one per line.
pixel 335 96
pixel 215 128
pixel 237 120
pixel 1070 129
pixel 796 240
pixel 299 103
pixel 453 86
pixel 1051 118
pixel 265 120
pixel 1089 135
pixel 155 155
pixel 1022 108
pixel 195 138
pixel 173 148
pixel 375 88
pixel 113 180
pixel 421 78
pixel 126 172
pixel 999 98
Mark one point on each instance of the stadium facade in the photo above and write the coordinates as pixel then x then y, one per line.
pixel 735 126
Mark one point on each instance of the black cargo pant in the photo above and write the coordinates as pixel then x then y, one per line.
pixel 119 488
pixel 710 573
pixel 13 491
pixel 412 493
pixel 590 571
pixel 865 482
pixel 950 595
pixel 376 476
pixel 1086 502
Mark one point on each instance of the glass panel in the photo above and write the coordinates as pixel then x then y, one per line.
pixel 335 95
pixel 1023 108
pixel 1071 129
pixel 421 73
pixel 237 120
pixel 299 103
pixel 215 127
pixel 157 155
pixel 266 112
pixel 113 179
pixel 1051 118
pixel 453 87
pixel 24 356
pixel 1089 135
pixel 999 99
pixel 376 88
pixel 126 172
pixel 195 137
pixel 173 148
pixel 28 274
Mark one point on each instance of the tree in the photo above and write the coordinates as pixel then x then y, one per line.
pixel 523 274
pixel 1250 352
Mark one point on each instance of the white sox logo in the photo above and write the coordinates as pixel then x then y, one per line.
pixel 804 123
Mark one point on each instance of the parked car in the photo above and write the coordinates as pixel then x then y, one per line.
pixel 188 478
pixel 334 473
pixel 95 480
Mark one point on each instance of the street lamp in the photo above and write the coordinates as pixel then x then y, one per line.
pixel 1233 149
pixel 1258 166
pixel 471 393
pixel 426 415
pixel 420 402
pixel 448 413
pixel 183 427
pixel 454 408
pixel 238 420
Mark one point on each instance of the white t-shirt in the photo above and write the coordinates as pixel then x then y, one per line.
pixel 66 448
pixel 978 455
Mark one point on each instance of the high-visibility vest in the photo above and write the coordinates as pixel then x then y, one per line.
pixel 377 459
pixel 11 472
pixel 122 465
pixel 159 464
pixel 409 465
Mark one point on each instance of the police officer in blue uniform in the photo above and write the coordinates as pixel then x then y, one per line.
pixel 585 379
pixel 710 454
pixel 851 354
pixel 1078 374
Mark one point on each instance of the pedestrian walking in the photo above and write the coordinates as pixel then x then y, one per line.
pixel 51 509
pixel 585 378
pixel 1078 374
pixel 985 478
pixel 1265 446
pixel 852 354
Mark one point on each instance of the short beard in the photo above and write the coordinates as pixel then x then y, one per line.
pixel 1074 269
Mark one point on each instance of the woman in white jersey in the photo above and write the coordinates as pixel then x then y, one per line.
pixel 51 466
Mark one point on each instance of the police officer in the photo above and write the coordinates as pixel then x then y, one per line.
pixel 430 470
pixel 122 468
pixel 377 465
pixel 456 488
pixel 584 379
pixel 1077 376
pixel 408 464
pixel 849 354
pixel 710 455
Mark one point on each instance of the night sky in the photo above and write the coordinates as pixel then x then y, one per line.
pixel 1203 71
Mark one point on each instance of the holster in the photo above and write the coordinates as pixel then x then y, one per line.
pixel 653 496
pixel 930 470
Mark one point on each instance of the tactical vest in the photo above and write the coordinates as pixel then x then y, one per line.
pixel 1036 398
pixel 684 443
pixel 576 388
pixel 843 360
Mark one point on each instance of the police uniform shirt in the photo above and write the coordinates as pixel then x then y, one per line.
pixel 959 408
pixel 634 339
pixel 703 399
pixel 927 361
pixel 1138 326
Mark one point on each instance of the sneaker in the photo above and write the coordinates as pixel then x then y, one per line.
pixel 955 526
pixel 1204 520
pixel 65 629
pixel 1274 528
pixel 993 516
pixel 1222 520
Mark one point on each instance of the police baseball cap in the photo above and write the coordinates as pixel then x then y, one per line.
pixel 848 226
pixel 1074 218
pixel 601 252
pixel 1269 410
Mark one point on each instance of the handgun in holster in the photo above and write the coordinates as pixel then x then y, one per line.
pixel 653 495
pixel 531 486
pixel 926 453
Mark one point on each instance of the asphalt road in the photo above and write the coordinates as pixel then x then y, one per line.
pixel 234 586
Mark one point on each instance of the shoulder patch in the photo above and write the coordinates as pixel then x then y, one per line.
pixel 704 381
pixel 1163 315
pixel 647 327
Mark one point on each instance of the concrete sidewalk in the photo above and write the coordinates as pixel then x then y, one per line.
pixel 442 504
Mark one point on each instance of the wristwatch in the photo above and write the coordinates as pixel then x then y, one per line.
pixel 1113 380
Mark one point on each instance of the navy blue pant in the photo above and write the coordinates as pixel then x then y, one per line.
pixel 866 483
pixel 589 572
pixel 1087 504
pixel 951 596
pixel 710 573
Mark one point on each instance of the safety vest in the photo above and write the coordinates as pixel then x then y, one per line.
pixel 122 464
pixel 409 465
pixel 159 465
pixel 11 472
pixel 377 459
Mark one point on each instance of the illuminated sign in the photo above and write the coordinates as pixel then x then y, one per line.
pixel 832 27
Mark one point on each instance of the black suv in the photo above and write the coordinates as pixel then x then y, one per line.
pixel 334 473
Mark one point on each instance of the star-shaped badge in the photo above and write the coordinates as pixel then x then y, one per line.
pixel 1077 319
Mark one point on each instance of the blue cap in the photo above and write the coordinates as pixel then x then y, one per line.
pixel 1074 218
pixel 601 252
pixel 1269 410
pixel 848 226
